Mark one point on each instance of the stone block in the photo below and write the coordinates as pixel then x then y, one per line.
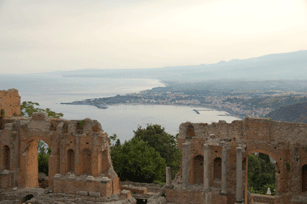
pixel 94 194
pixel 82 193
pixel 105 180
pixel 135 189
pixel 90 179
pixel 126 194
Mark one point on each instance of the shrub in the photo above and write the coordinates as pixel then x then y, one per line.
pixel 2 112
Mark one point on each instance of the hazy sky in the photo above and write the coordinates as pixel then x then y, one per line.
pixel 39 36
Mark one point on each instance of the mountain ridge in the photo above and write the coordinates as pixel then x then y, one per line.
pixel 279 66
pixel 293 113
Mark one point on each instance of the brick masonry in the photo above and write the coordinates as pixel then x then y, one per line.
pixel 78 147
pixel 10 102
pixel 285 142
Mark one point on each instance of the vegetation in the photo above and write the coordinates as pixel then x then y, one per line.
pixel 82 123
pixel 43 157
pixel 163 143
pixel 288 166
pixel 261 173
pixel 2 112
pixel 27 108
pixel 136 161
pixel 144 158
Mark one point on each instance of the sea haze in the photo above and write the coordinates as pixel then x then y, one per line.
pixel 50 91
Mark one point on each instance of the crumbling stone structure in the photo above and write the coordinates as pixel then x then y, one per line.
pixel 79 163
pixel 9 103
pixel 214 161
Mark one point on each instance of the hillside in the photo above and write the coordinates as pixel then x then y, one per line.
pixel 282 66
pixel 292 113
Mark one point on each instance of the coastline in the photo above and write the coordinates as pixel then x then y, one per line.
pixel 228 114
pixel 191 106
pixel 140 93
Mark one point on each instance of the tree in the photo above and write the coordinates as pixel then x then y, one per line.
pixel 163 143
pixel 261 172
pixel 136 161
pixel 43 157
pixel 27 108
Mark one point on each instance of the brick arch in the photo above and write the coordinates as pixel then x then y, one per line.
pixel 264 152
pixel 198 169
pixel 35 138
pixel 70 160
pixel 277 169
pixel 86 161
pixel 217 168
pixel 6 157
pixel 29 162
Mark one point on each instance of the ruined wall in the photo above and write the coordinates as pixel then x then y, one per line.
pixel 10 102
pixel 78 147
pixel 285 142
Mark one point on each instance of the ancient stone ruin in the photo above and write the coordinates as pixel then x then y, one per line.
pixel 213 167
pixel 79 163
pixel 214 162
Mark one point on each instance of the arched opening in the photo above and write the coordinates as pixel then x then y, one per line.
pixel 87 162
pixel 190 131
pixel 35 164
pixel 261 173
pixel 6 157
pixel 304 178
pixel 217 169
pixel 44 153
pixel 70 160
pixel 198 169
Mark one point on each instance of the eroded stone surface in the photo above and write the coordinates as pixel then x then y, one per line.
pixel 80 152
pixel 285 142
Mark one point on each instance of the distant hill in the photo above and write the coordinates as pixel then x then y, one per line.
pixel 292 113
pixel 284 66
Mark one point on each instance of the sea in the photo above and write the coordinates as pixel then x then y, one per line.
pixel 50 90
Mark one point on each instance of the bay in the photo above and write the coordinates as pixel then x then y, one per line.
pixel 50 91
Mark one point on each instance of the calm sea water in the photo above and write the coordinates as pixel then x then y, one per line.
pixel 50 91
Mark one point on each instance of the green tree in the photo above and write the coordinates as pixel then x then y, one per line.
pixel 136 161
pixel 43 157
pixel 27 108
pixel 261 172
pixel 163 143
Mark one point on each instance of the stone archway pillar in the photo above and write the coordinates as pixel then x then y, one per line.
pixel 239 189
pixel 224 168
pixel 206 167
pixel 185 156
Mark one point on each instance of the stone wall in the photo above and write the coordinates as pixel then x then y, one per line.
pixel 10 102
pixel 78 147
pixel 256 198
pixel 150 186
pixel 97 186
pixel 285 142
pixel 194 196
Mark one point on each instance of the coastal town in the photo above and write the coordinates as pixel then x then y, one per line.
pixel 252 103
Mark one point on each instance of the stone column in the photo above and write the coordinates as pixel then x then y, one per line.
pixel 239 190
pixel 168 176
pixel 224 168
pixel 206 167
pixel 185 155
